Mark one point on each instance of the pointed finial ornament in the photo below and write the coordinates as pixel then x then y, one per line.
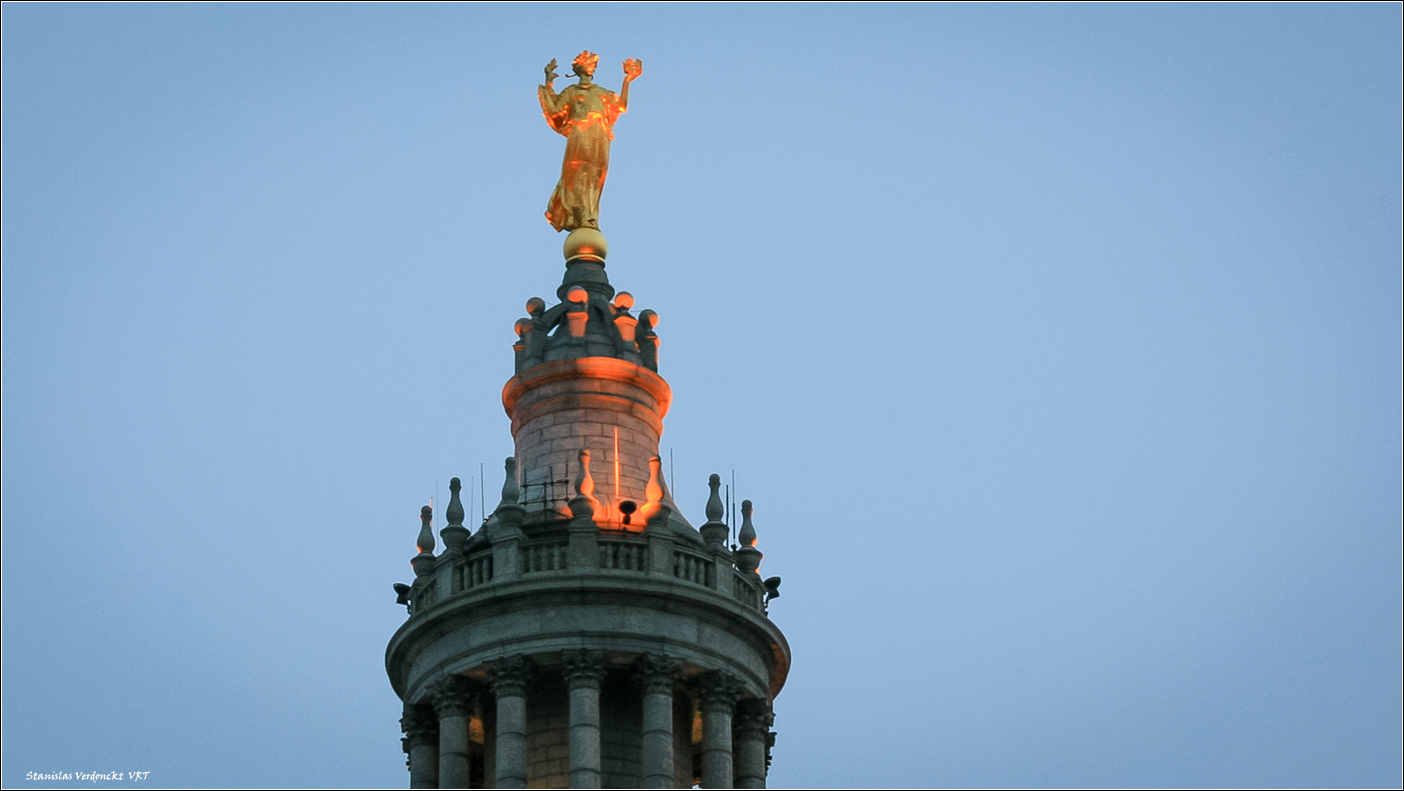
pixel 510 494
pixel 714 532
pixel 454 512
pixel 426 534
pixel 714 502
pixel 653 491
pixel 748 558
pixel 583 504
pixel 423 563
pixel 747 536
pixel 509 511
pixel 454 533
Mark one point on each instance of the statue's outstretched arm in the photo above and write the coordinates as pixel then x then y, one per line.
pixel 632 69
pixel 551 101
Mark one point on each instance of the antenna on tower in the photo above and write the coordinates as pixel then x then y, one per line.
pixel 482 501
pixel 732 519
pixel 728 510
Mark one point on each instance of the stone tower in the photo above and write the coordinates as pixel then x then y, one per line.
pixel 586 634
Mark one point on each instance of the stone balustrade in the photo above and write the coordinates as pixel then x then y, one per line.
pixel 456 573
pixel 502 550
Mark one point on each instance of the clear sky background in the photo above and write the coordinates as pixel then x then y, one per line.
pixel 1058 347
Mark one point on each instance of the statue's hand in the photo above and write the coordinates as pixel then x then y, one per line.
pixel 632 68
pixel 551 71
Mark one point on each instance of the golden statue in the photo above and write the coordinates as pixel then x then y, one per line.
pixel 585 114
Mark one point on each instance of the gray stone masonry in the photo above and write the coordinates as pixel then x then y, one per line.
pixel 586 634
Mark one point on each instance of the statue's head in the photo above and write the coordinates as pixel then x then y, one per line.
pixel 585 63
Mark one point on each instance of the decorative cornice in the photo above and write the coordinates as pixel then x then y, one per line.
pixel 607 368
pixel 524 595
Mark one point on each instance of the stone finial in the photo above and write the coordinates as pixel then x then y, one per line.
pixel 625 323
pixel 454 534
pixel 653 491
pixel 509 511
pixel 748 558
pixel 578 314
pixel 510 493
pixel 715 509
pixel 519 349
pixel 647 339
pixel 714 532
pixel 425 542
pixel 454 512
pixel 534 338
pixel 747 537
pixel 583 504
pixel 423 563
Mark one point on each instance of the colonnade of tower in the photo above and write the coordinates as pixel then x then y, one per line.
pixel 586 634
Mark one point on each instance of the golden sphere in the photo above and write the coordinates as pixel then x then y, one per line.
pixel 586 243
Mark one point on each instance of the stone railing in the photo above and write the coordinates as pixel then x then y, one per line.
pixel 474 571
pixel 746 587
pixel 623 555
pixel 694 567
pixel 502 551
pixel 456 571
pixel 545 556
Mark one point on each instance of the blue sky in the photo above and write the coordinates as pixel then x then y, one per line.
pixel 1058 347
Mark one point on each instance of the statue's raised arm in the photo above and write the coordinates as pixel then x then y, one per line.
pixel 632 69
pixel 585 113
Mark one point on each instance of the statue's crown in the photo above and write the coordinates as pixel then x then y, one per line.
pixel 586 61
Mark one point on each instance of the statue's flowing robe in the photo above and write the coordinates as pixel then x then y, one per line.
pixel 585 114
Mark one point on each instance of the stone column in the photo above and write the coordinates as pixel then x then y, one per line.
pixel 421 743
pixel 584 672
pixel 751 727
pixel 655 677
pixel 509 683
pixel 718 692
pixel 453 702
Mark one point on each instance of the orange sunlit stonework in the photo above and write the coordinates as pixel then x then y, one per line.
pixel 585 114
